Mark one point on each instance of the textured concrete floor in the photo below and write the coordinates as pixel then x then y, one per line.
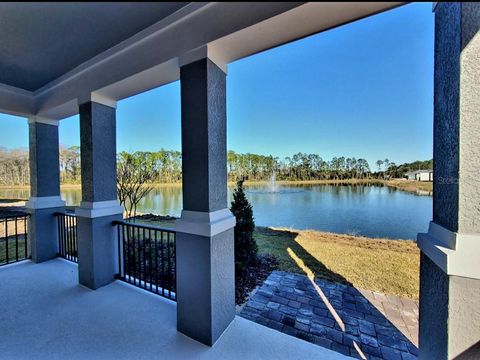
pixel 44 314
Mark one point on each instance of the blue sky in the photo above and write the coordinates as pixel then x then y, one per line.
pixel 363 90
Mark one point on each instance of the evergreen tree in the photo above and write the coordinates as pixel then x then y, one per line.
pixel 245 245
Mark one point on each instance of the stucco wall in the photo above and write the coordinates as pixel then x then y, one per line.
pixel 469 185
pixel 44 160
pixel 204 135
pixel 98 152
pixel 464 317
pixel 434 302
pixel 446 115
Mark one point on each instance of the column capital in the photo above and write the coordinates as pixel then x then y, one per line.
pixel 42 120
pixel 97 98
pixel 203 52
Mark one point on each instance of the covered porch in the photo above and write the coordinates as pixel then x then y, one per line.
pixel 54 309
pixel 46 315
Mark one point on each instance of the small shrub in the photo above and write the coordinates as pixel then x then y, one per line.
pixel 245 245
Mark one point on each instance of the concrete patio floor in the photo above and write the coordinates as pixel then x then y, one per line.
pixel 45 314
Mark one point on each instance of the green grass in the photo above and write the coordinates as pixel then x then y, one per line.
pixel 383 265
pixel 12 252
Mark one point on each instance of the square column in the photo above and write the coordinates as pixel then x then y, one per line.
pixel 97 243
pixel 450 251
pixel 45 198
pixel 205 245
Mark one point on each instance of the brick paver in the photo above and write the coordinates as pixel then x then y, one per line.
pixel 337 316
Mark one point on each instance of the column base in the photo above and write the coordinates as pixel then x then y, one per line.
pixel 449 315
pixel 205 274
pixel 43 226
pixel 97 243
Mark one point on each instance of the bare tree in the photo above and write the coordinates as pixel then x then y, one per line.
pixel 134 181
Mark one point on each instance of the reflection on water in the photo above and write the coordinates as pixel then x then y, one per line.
pixel 370 210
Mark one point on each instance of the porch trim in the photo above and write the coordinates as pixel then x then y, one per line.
pixel 205 223
pixel 44 202
pixel 43 120
pixel 455 253
pixel 98 209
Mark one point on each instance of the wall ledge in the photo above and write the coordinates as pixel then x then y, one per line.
pixel 205 223
pixel 456 254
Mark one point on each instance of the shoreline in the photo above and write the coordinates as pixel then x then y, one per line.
pixel 167 219
pixel 417 187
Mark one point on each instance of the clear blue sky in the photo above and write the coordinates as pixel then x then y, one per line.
pixel 363 90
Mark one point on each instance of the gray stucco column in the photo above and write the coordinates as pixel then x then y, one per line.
pixel 205 258
pixel 45 198
pixel 450 251
pixel 97 243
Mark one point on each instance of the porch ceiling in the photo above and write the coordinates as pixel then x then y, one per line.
pixel 55 56
pixel 47 315
pixel 42 41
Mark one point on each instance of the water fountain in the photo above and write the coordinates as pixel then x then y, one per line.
pixel 272 184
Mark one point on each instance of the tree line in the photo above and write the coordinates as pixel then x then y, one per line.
pixel 165 166
pixel 14 167
pixel 301 166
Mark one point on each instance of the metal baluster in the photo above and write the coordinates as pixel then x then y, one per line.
pixel 156 262
pixel 119 251
pixel 175 263
pixel 150 257
pixel 25 235
pixel 75 238
pixel 169 267
pixel 60 246
pixel 144 245
pixel 126 228
pixel 16 239
pixel 6 239
pixel 70 237
pixel 163 264
pixel 133 270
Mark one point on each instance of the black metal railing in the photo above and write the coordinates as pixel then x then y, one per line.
pixel 67 236
pixel 146 257
pixel 13 239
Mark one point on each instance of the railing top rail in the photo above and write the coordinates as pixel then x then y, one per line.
pixel 14 215
pixel 117 222
pixel 65 213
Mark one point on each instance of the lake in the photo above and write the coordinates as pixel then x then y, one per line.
pixel 374 211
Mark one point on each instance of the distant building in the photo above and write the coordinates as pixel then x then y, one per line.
pixel 420 175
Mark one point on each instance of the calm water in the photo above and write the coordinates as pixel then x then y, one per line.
pixel 373 211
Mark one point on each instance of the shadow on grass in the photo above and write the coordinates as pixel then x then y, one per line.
pixel 281 244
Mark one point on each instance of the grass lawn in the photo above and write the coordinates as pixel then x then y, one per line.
pixel 12 250
pixel 387 266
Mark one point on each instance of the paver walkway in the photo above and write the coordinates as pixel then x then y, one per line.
pixel 358 323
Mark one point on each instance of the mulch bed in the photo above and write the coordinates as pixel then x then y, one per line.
pixel 253 276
